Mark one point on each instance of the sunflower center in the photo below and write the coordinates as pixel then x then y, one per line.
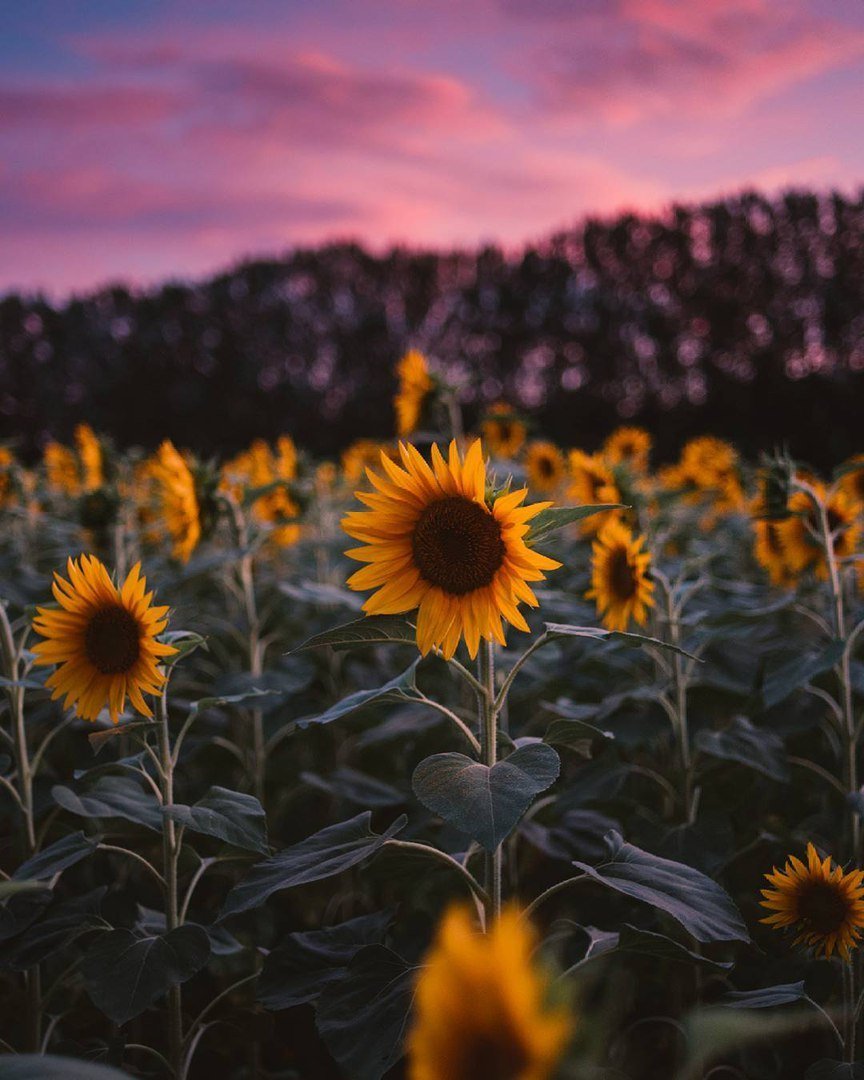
pixel 622 580
pixel 823 907
pixel 457 545
pixel 112 641
pixel 488 1056
pixel 546 467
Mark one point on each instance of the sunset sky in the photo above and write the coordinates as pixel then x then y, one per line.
pixel 147 139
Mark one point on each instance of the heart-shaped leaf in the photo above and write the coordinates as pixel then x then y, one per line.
pixel 322 855
pixel 125 973
pixel 112 797
pixel 231 816
pixel 482 802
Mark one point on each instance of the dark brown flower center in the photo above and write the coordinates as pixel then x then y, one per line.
pixel 823 907
pixel 113 640
pixel 457 545
pixel 622 580
pixel 504 430
pixel 546 467
pixel 491 1056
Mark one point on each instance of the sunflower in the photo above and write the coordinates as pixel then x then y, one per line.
pixel 619 577
pixel 503 432
pixel 61 469
pixel 768 547
pixel 544 464
pixel 90 454
pixel 433 542
pixel 709 463
pixel 628 446
pixel 178 499
pixel 361 454
pixel 852 481
pixel 480 1010
pixel 414 385
pixel 7 482
pixel 591 482
pixel 103 640
pixel 800 533
pixel 824 905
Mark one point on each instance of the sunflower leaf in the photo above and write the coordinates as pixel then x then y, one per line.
pixel 112 797
pixel 748 745
pixel 766 997
pixel 558 517
pixel 60 855
pixel 372 630
pixel 400 688
pixel 231 816
pixel 597 633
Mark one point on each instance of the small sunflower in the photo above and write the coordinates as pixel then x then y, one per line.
pixel 591 482
pixel 90 454
pixel 480 1006
pixel 414 386
pixel 178 499
pixel 433 542
pixel 619 577
pixel 824 905
pixel 710 463
pixel 103 640
pixel 503 432
pixel 628 446
pixel 545 466
pixel 800 533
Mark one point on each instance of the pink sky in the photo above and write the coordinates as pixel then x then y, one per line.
pixel 170 139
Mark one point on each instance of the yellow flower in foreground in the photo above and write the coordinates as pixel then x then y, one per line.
pixel 628 446
pixel 434 543
pixel 103 640
pixel 414 384
pixel 90 453
pixel 503 432
pixel 544 464
pixel 178 499
pixel 480 1009
pixel 619 577
pixel 824 905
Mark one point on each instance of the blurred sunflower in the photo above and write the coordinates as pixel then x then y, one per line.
pixel 503 432
pixel 7 483
pixel 178 499
pixel 103 640
pixel 800 533
pixel 591 482
pixel 852 481
pixel 480 1008
pixel 628 446
pixel 434 542
pixel 362 454
pixel 619 577
pixel 824 905
pixel 61 469
pixel 768 548
pixel 710 463
pixel 544 464
pixel 90 453
pixel 414 386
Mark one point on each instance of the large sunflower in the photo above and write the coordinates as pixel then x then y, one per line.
pixel 103 640
pixel 824 905
pixel 480 1010
pixel 628 446
pixel 414 384
pixel 178 499
pixel 800 533
pixel 433 542
pixel 503 431
pixel 619 577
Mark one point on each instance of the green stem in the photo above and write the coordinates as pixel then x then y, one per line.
pixel 170 857
pixel 680 708
pixel 489 745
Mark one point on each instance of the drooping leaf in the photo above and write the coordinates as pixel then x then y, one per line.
pixel 597 633
pixel 228 699
pixel 660 947
pixel 485 803
pixel 231 816
pixel 699 904
pixel 578 834
pixel 61 921
pixel 125 973
pixel 58 856
pixel 748 745
pixel 298 970
pixel 401 688
pixel 766 997
pixel 363 1017
pixel 322 855
pixel 558 517
pixel 112 797
pixel 373 630
pixel 797 672
pixel 574 734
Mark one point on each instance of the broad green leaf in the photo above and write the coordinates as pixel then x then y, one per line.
pixel 322 855
pixel 231 816
pixel 50 1067
pixel 765 998
pixel 401 688
pixel 577 834
pixel 557 517
pixel 229 699
pixel 363 1017
pixel 13 888
pixel 485 804
pixel 298 970
pixel 59 923
pixel 632 939
pixel 112 797
pixel 797 672
pixel 373 630
pixel 125 973
pixel 574 733
pixel 185 642
pixel 597 633
pixel 699 904
pixel 58 856
pixel 748 745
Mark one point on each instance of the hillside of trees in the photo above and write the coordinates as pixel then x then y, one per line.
pixel 743 317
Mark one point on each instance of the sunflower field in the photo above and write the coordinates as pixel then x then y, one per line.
pixel 465 757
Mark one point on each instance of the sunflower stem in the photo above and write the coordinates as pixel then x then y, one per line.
pixel 489 745
pixel 679 705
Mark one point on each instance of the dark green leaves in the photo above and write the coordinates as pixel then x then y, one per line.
pixel 231 816
pixel 699 904
pixel 62 921
pixel 485 804
pixel 797 672
pixel 42 1067
pixel 558 517
pixel 835 1070
pixel 112 797
pixel 125 973
pixel 766 998
pixel 401 688
pixel 58 856
pixel 754 747
pixel 322 855
pixel 597 633
pixel 373 630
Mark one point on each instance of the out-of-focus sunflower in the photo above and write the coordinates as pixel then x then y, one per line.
pixel 90 453
pixel 503 432
pixel 591 482
pixel 61 469
pixel 824 905
pixel 800 533
pixel 620 585
pixel 262 467
pixel 545 466
pixel 414 386
pixel 178 499
pixel 363 454
pixel 852 481
pixel 103 640
pixel 768 548
pixel 481 1006
pixel 629 446
pixel 433 542
pixel 709 462
pixel 7 482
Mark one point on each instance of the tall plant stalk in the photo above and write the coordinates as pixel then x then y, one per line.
pixel 489 749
